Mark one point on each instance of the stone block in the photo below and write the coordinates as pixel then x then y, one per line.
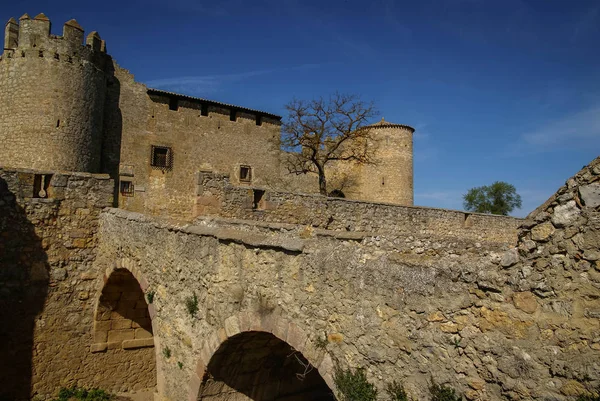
pixel 542 232
pixel 103 325
pixel 525 301
pixel 100 336
pixel 114 315
pixel 99 347
pixel 142 333
pixel 115 345
pixel 120 324
pixel 138 343
pixel 232 326
pixel 121 335
pixel 590 194
pixel 296 337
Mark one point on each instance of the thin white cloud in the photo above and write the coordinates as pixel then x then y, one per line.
pixel 212 83
pixel 577 130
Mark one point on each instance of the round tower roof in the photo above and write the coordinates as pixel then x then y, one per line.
pixel 387 124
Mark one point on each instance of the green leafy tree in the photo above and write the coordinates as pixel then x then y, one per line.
pixel 498 198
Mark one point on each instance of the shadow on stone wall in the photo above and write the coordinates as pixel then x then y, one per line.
pixel 23 290
pixel 113 130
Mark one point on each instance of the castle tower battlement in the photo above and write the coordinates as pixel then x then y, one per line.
pixel 52 94
pixel 32 37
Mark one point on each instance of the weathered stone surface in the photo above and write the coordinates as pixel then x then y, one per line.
pixel 542 232
pixel 590 194
pixel 509 258
pixel 525 301
pixel 565 214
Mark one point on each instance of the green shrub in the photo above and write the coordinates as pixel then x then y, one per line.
pixel 354 386
pixel 167 352
pixel 396 392
pixel 443 393
pixel 150 296
pixel 82 394
pixel 191 303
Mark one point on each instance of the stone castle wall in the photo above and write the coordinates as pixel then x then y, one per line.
pixel 49 288
pixel 492 321
pixel 218 198
pixel 52 92
pixel 198 142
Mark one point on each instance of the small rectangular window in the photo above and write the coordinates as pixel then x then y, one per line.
pixel 204 110
pixel 126 188
pixel 245 173
pixel 232 115
pixel 173 104
pixel 161 157
pixel 258 120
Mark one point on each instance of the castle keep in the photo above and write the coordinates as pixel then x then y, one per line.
pixel 151 245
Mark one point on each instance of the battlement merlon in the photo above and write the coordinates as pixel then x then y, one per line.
pixel 34 34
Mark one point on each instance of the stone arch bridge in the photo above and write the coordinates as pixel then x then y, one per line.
pixel 264 309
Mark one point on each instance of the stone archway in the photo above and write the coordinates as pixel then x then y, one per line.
pixel 123 339
pixel 261 358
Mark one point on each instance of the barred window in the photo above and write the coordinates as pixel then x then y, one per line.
pixel 161 157
pixel 126 188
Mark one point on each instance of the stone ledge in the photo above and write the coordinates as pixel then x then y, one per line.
pixel 138 343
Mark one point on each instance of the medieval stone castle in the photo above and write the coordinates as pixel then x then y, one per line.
pixel 152 245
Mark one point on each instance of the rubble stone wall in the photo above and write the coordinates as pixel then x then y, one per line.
pixel 49 287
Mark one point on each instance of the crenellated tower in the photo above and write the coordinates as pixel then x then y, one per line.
pixel 52 94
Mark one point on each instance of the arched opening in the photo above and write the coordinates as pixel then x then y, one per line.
pixel 123 339
pixel 258 366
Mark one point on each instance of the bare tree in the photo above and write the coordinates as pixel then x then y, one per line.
pixel 319 131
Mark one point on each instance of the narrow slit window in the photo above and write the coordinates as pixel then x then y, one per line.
pixel 245 173
pixel 232 115
pixel 173 104
pixel 161 157
pixel 258 120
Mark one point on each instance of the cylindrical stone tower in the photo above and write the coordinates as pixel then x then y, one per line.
pixel 52 91
pixel 390 177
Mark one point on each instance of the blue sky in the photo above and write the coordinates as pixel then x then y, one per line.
pixel 496 90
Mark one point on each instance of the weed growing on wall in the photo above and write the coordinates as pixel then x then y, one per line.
pixel 396 391
pixel 321 342
pixel 191 304
pixel 167 352
pixel 150 296
pixel 354 386
pixel 81 394
pixel 180 364
pixel 443 393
